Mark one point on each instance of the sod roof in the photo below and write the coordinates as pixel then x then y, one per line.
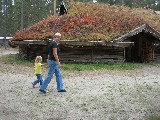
pixel 91 21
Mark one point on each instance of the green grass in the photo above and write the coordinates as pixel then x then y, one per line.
pixel 153 63
pixel 154 118
pixel 100 66
pixel 15 59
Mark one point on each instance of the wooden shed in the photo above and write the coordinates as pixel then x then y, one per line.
pixel 146 44
pixel 138 45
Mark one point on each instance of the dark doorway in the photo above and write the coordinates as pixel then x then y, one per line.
pixel 141 51
pixel 135 52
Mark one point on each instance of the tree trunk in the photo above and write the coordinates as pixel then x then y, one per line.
pixel 22 16
pixel 122 2
pixel 54 7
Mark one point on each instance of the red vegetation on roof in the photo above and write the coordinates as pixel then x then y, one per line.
pixel 91 21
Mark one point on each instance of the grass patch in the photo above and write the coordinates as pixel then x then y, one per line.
pixel 154 118
pixel 2 70
pixel 14 59
pixel 157 64
pixel 100 66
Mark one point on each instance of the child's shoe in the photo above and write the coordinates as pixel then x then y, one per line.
pixel 33 85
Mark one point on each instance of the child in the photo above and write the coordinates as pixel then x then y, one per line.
pixel 38 71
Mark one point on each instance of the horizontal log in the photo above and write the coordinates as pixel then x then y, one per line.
pixel 29 42
pixel 72 43
pixel 94 43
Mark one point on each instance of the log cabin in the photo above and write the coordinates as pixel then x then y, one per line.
pixel 139 45
pixel 93 32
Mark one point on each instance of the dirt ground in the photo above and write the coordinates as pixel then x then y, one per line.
pixel 91 95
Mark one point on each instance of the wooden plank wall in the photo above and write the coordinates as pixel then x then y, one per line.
pixel 30 52
pixel 143 49
pixel 38 50
pixel 81 54
pixel 146 50
pixel 157 54
pixel 92 54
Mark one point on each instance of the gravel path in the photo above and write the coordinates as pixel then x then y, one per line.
pixel 6 51
pixel 91 95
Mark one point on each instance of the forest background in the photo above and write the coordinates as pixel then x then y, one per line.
pixel 15 15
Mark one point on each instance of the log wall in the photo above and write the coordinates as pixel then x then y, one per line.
pixel 80 54
pixel 146 50
pixel 92 54
pixel 142 50
pixel 157 54
pixel 30 52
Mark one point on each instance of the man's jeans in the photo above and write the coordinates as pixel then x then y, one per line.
pixel 39 79
pixel 53 68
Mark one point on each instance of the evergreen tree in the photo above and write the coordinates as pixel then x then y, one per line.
pixel 18 14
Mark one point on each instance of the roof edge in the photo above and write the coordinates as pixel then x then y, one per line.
pixel 144 27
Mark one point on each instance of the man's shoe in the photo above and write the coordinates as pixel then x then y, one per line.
pixel 42 91
pixel 62 90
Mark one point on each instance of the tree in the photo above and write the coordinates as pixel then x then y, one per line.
pixel 157 6
pixel 18 14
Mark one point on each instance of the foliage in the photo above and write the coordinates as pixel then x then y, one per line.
pixel 18 14
pixel 89 21
pixel 22 13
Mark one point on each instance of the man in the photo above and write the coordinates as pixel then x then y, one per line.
pixel 54 66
